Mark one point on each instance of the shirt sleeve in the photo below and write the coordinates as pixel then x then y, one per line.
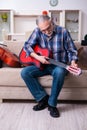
pixel 32 40
pixel 70 47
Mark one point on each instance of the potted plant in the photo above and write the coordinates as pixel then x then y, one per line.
pixel 4 17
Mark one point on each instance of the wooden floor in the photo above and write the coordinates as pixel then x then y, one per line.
pixel 20 116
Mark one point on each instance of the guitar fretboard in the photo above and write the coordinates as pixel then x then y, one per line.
pixel 52 61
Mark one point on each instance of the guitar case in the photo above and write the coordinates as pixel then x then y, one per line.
pixel 7 57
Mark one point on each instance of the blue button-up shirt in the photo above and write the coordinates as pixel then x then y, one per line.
pixel 59 43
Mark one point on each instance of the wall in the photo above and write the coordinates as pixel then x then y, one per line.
pixel 34 6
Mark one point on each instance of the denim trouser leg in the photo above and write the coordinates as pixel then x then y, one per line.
pixel 29 75
pixel 58 74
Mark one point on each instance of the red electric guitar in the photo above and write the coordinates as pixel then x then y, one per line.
pixel 28 60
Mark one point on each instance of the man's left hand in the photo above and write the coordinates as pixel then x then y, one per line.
pixel 74 64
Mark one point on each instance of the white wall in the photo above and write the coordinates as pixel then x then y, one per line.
pixel 39 5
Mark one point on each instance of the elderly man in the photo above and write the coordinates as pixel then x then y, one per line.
pixel 58 41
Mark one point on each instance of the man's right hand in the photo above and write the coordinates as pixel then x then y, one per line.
pixel 42 59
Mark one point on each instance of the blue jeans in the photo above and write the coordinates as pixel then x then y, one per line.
pixel 30 75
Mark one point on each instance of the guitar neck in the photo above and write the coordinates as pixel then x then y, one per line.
pixel 52 61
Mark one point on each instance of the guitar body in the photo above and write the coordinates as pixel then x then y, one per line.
pixel 9 58
pixel 28 60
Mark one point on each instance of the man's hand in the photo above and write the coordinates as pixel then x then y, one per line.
pixel 74 64
pixel 42 59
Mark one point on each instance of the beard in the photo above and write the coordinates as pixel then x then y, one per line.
pixel 49 33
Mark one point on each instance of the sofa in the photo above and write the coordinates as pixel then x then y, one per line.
pixel 13 87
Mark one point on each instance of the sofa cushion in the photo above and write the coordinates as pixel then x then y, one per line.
pixel 12 77
pixel 14 46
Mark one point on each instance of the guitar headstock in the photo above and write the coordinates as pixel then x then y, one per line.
pixel 74 70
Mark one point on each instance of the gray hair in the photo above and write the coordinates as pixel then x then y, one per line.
pixel 42 18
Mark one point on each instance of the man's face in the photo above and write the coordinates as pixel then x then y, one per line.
pixel 46 27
